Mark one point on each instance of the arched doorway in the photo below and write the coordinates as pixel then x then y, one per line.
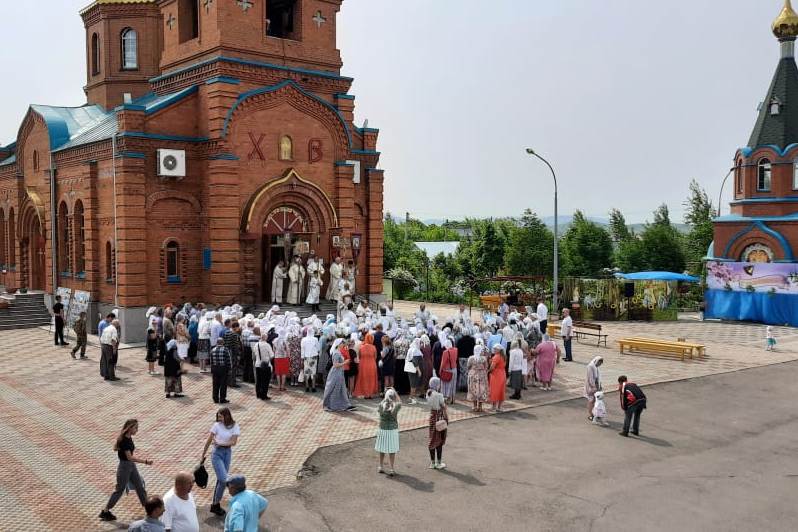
pixel 285 234
pixel 32 253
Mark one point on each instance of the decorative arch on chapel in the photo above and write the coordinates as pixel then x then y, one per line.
pixel 291 93
pixel 292 191
pixel 32 205
pixel 759 234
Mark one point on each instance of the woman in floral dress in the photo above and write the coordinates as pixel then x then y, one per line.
pixel 477 378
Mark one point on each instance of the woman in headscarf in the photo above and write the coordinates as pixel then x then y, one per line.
pixel 367 384
pixel 547 354
pixel 498 377
pixel 294 345
pixel 465 348
pixel 477 378
pixel 437 433
pixel 193 333
pixel 262 355
pixel 204 341
pixel 427 366
pixel 448 372
pixel 282 366
pixel 592 384
pixel 388 431
pixel 183 340
pixel 352 363
pixel 401 380
pixel 413 368
pixel 336 398
pixel 171 371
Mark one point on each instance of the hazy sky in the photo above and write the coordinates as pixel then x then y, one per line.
pixel 628 99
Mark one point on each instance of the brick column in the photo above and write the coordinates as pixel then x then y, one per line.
pixel 374 180
pixel 345 195
pixel 224 217
pixel 92 232
pixel 131 226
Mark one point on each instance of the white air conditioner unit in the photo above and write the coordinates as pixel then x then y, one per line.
pixel 172 163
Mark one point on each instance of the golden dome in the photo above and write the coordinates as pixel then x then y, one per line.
pixel 786 24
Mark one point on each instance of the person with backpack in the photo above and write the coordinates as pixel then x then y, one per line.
pixel 633 402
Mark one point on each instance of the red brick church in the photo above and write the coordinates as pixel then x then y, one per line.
pixel 217 138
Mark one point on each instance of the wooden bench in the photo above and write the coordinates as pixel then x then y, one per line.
pixel 584 328
pixel 666 348
pixel 553 329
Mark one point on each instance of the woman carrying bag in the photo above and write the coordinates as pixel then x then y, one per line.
pixel 438 424
pixel 126 472
pixel 262 355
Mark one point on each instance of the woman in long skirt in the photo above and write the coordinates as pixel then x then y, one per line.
pixel 498 378
pixel 427 364
pixel 388 432
pixel 449 366
pixel 173 384
pixel 336 398
pixel 437 412
pixel 477 378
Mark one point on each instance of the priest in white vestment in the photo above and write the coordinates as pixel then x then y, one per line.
pixel 296 280
pixel 278 278
pixel 314 290
pixel 336 273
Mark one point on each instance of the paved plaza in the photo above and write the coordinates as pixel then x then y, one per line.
pixel 58 419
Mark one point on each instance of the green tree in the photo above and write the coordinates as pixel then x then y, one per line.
pixel 698 215
pixel 529 247
pixel 662 215
pixel 659 247
pixel 488 253
pixel 586 248
pixel 619 231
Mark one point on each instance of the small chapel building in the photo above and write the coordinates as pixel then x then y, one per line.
pixel 218 138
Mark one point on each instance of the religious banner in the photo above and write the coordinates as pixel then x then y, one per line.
pixel 79 303
pixel 769 277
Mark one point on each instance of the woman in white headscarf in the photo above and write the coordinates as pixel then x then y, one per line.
pixel 478 377
pixel 438 424
pixel 413 368
pixel 449 371
pixel 592 384
pixel 336 397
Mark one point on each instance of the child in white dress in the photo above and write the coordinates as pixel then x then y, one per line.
pixel 600 410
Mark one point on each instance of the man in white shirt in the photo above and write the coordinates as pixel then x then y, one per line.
pixel 543 315
pixel 567 332
pixel 108 342
pixel 181 510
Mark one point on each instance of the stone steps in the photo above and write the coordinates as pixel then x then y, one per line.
pixel 25 311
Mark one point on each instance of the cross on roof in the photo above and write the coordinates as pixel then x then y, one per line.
pixel 171 21
pixel 207 4
pixel 244 4
pixel 319 19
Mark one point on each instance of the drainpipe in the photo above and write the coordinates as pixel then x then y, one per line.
pixel 116 239
pixel 53 225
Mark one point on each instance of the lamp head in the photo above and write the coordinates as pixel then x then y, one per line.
pixel 530 151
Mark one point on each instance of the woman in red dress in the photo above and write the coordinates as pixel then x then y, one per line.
pixel 497 378
pixel 367 384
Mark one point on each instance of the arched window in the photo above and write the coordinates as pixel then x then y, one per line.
pixel 764 169
pixel 738 177
pixel 12 239
pixel 95 54
pixel 3 263
pixel 64 244
pixel 35 161
pixel 172 262
pixel 80 238
pixel 286 148
pixel 110 262
pixel 130 59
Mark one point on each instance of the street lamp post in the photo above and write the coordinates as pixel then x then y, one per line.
pixel 555 308
pixel 723 184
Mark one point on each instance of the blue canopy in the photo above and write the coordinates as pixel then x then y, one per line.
pixel 657 276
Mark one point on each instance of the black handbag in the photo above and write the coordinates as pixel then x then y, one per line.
pixel 201 476
pixel 161 353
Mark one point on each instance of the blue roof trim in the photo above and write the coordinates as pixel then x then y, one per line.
pixel 273 88
pixel 344 163
pixel 365 152
pixel 374 170
pixel 785 246
pixel 176 138
pixel 223 157
pixel 10 160
pixel 766 199
pixel 223 79
pixel 748 150
pixel 11 147
pixel 367 130
pixel 130 107
pixel 730 218
pixel 343 96
pixel 170 99
pixel 131 155
pixel 318 73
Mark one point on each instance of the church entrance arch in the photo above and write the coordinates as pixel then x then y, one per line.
pixel 285 217
pixel 32 250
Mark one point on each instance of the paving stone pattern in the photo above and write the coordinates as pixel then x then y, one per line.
pixel 58 418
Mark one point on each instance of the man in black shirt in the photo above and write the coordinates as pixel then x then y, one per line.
pixel 633 402
pixel 58 313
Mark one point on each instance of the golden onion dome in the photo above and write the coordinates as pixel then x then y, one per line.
pixel 786 24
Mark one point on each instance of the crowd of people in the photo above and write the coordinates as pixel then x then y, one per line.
pixel 359 352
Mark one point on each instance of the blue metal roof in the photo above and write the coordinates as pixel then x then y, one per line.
pixel 10 160
pixel 657 276
pixel 63 123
